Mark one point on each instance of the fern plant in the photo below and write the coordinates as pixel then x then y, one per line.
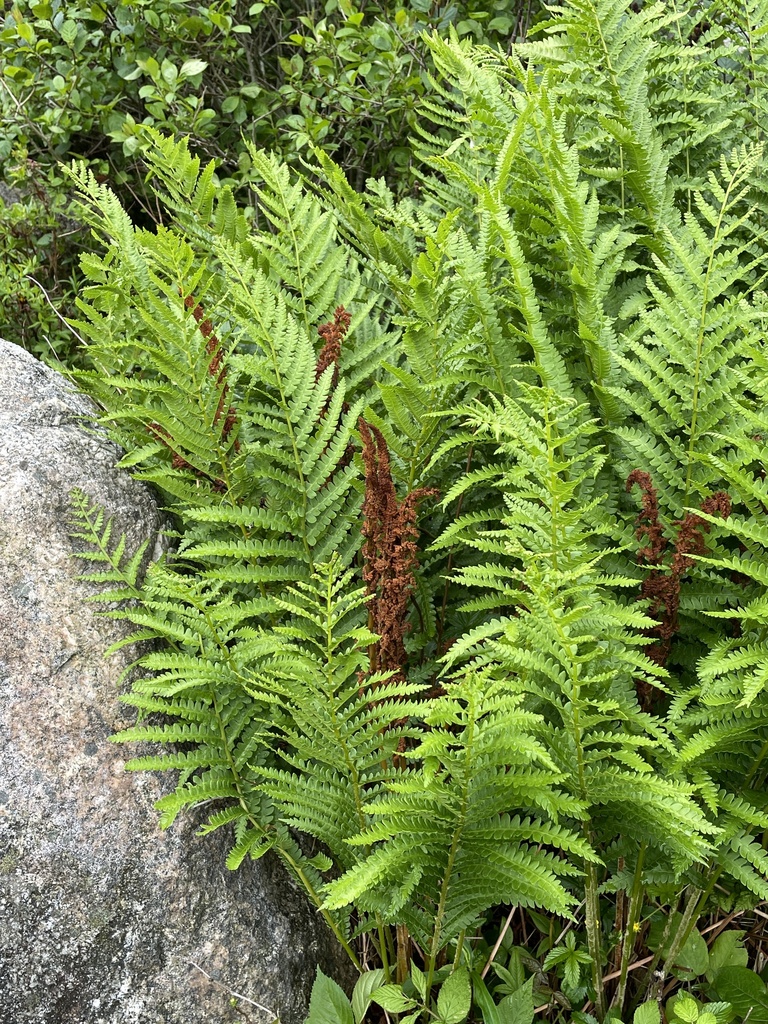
pixel 544 693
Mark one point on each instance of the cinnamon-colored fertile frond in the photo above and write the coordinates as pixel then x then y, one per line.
pixel 661 588
pixel 215 369
pixel 390 551
pixel 647 523
pixel 691 530
pixel 332 334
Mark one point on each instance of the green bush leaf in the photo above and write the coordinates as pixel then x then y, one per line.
pixel 648 1013
pixel 366 984
pixel 693 958
pixel 328 1004
pixel 419 980
pixel 727 951
pixel 745 991
pixel 517 1008
pixel 69 31
pixel 192 67
pixel 686 1009
pixel 392 999
pixel 455 997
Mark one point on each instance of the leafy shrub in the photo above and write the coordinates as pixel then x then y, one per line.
pixel 38 262
pixel 80 79
pixel 469 603
pixel 348 74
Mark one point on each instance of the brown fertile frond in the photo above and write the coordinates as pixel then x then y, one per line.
pixel 333 334
pixel 647 522
pixel 691 530
pixel 215 369
pixel 390 551
pixel 661 588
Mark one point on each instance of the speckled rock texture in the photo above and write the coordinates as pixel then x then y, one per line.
pixel 103 917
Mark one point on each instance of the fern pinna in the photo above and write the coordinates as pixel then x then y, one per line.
pixel 467 603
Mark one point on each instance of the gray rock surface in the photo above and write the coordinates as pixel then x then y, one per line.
pixel 103 917
pixel 9 195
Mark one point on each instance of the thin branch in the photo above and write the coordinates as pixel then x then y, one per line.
pixel 233 994
pixel 499 941
pixel 632 967
pixel 58 314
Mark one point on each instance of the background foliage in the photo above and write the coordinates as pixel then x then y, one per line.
pixel 78 79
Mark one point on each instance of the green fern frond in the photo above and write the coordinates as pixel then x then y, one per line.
pixel 429 827
pixel 88 527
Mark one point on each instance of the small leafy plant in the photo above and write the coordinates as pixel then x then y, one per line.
pixel 465 621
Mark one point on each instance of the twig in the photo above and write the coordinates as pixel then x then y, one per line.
pixel 499 941
pixel 569 925
pixel 58 314
pixel 235 995
pixel 723 923
pixel 631 967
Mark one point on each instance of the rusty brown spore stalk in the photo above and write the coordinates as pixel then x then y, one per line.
pixel 332 333
pixel 390 556
pixel 215 369
pixel 661 587
pixel 390 552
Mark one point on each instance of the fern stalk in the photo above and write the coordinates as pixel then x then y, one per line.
pixel 298 873
pixel 452 853
pixel 628 938
pixel 594 936
pixel 697 382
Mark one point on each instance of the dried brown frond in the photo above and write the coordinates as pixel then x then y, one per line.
pixel 215 368
pixel 661 588
pixel 647 522
pixel 163 435
pixel 332 333
pixel 390 552
pixel 206 329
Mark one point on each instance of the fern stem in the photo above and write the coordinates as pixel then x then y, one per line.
pixel 692 438
pixel 621 106
pixel 383 948
pixel 290 862
pixel 452 853
pixel 285 856
pixel 354 775
pixel 594 934
pixel 403 945
pixel 301 288
pixel 285 408
pixel 756 764
pixel 310 890
pixel 459 948
pixel 592 900
pixel 654 979
pixel 704 896
pixel 690 915
pixel 628 939
pixel 449 564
